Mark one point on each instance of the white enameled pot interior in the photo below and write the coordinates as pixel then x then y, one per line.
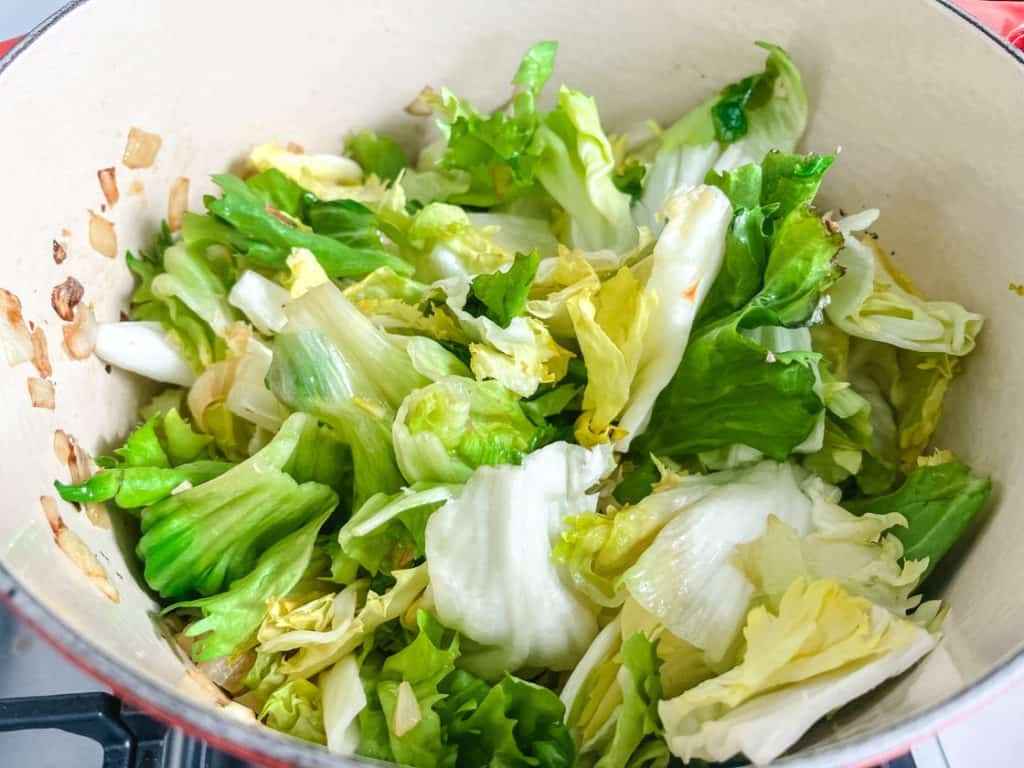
pixel 926 107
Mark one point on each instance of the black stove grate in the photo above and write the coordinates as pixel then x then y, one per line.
pixel 128 737
pixel 132 739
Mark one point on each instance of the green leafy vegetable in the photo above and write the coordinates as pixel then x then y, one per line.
pixel 883 409
pixel 230 619
pixel 446 430
pixel 180 441
pixel 686 577
pixel 310 375
pixel 279 191
pixel 686 258
pixel 629 179
pixel 387 532
pixel 311 652
pixel 208 536
pixel 730 389
pixel 328 177
pixel 536 67
pixel 939 501
pixel 612 696
pixel 491 155
pixel 502 295
pixel 159 456
pixel 806 655
pixel 637 481
pixel 164 440
pixel 861 436
pixel 401 698
pixel 761 196
pixel 638 720
pixel 142 448
pixel 729 113
pixel 499 531
pixel 863 554
pixel 192 335
pixel 575 165
pixel 763 112
pixel 380 155
pixel 611 328
pixel 132 487
pixel 790 181
pixel 267 239
pixel 296 708
pixel 423 712
pixel 337 365
pixel 347 221
pixel 448 244
pixel 514 723
pixel 874 301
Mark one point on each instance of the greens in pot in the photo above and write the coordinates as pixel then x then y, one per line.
pixel 541 449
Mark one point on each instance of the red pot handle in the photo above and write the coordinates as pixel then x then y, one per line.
pixel 6 45
pixel 1003 18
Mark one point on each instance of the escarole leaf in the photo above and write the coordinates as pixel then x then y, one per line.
pixel 512 723
pixel 612 696
pixel 333 362
pixel 189 279
pixel 311 375
pixel 379 359
pixel 638 719
pixel 387 532
pixel 535 69
pixel 749 118
pixel 310 651
pixel 445 243
pixel 380 155
pixel 610 327
pixel 422 711
pixel 343 699
pixel 168 341
pixel 806 655
pixel 230 619
pixel 761 195
pixel 687 577
pixel 873 301
pixel 296 708
pixel 521 357
pixel 860 437
pixel 884 404
pixel 598 548
pixel 444 431
pixel 684 265
pixel 500 531
pixel 938 502
pixel 487 159
pixel 267 239
pixel 789 181
pixel 403 693
pixel 730 389
pixel 206 537
pixel 133 487
pixel 328 177
pixel 158 457
pixel 575 164
pixel 863 553
pixel 502 295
